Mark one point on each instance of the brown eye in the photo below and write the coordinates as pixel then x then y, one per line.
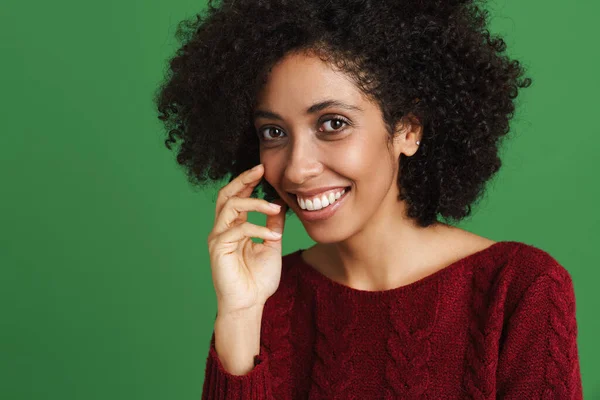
pixel 267 137
pixel 335 124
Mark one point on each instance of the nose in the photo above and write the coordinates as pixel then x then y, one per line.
pixel 303 162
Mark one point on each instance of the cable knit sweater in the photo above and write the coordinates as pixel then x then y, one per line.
pixel 497 324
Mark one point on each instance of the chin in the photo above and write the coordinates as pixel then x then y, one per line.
pixel 325 234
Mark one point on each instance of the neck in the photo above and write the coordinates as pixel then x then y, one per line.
pixel 388 252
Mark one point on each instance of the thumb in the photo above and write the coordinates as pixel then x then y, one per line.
pixel 277 222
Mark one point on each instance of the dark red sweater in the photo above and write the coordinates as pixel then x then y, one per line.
pixel 498 324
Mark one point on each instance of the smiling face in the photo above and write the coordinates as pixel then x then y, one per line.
pixel 317 130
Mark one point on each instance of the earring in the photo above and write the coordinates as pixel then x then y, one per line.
pixel 418 142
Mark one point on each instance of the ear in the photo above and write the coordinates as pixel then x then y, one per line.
pixel 406 133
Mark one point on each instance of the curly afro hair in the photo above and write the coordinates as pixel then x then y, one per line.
pixel 434 59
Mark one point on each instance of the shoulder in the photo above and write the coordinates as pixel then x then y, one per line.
pixel 533 262
pixel 290 260
pixel 532 271
pixel 547 269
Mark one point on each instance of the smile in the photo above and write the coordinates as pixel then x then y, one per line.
pixel 320 207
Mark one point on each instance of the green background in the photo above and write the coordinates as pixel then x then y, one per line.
pixel 105 281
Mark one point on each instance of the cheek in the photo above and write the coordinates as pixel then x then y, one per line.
pixel 358 159
pixel 272 167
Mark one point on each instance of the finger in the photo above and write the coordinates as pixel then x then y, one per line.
pixel 235 211
pixel 242 231
pixel 276 223
pixel 247 190
pixel 241 186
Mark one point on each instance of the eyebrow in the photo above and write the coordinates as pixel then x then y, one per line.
pixel 310 110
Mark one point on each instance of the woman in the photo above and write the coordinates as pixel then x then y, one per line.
pixel 366 119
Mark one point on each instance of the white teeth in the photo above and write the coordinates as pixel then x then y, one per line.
pixel 318 203
pixel 309 205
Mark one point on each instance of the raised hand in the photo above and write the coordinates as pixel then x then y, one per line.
pixel 245 274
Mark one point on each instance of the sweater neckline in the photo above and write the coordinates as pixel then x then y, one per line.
pixel 487 253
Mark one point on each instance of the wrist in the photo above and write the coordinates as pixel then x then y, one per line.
pixel 247 314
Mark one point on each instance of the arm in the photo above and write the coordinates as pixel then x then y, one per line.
pixel 236 368
pixel 539 357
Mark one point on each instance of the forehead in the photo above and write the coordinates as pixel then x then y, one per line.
pixel 300 79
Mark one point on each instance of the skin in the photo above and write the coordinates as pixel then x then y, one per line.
pixel 369 243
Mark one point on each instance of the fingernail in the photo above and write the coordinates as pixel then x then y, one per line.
pixel 275 234
pixel 275 206
pixel 256 167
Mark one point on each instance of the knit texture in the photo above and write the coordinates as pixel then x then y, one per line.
pixel 497 324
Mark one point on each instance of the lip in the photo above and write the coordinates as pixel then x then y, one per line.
pixel 323 213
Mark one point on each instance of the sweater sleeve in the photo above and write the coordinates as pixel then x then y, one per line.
pixel 220 384
pixel 538 356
